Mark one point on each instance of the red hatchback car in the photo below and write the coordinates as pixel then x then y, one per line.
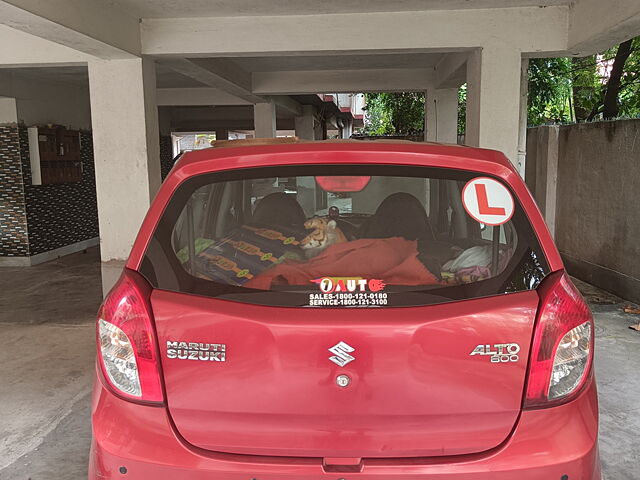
pixel 355 310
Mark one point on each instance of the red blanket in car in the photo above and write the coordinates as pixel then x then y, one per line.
pixel 393 260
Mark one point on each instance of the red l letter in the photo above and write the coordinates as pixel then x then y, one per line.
pixel 483 202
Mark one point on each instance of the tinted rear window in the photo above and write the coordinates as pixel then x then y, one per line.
pixel 340 236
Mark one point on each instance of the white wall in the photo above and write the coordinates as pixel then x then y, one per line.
pixel 40 101
pixel 8 110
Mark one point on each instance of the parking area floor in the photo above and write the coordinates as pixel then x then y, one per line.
pixel 46 369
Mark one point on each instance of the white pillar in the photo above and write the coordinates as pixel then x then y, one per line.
pixel 546 173
pixel 347 131
pixel 493 99
pixel 124 118
pixel 304 123
pixel 524 120
pixel 264 119
pixel 441 115
pixel 320 129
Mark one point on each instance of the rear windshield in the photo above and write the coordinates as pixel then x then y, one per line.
pixel 344 236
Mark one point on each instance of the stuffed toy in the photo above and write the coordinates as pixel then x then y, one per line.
pixel 325 233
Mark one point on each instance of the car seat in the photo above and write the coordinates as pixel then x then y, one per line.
pixel 279 209
pixel 399 215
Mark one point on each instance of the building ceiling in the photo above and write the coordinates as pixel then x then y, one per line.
pixel 337 62
pixel 168 78
pixel 234 8
pixel 78 75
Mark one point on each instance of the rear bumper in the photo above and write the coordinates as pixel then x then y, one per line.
pixel 547 444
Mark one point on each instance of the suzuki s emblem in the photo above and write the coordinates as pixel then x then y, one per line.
pixel 341 353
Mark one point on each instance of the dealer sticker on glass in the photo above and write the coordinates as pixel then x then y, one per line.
pixel 348 292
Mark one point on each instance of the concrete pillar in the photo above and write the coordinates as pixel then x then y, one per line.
pixel 222 134
pixel 524 120
pixel 304 124
pixel 124 118
pixel 264 119
pixel 347 130
pixel 320 129
pixel 546 173
pixel 441 115
pixel 493 99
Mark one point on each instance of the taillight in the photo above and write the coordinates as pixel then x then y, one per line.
pixel 127 349
pixel 562 351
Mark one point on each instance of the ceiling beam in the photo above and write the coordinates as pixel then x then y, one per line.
pixel 286 105
pixel 19 49
pixel 196 96
pixel 230 118
pixel 527 29
pixel 212 125
pixel 92 27
pixel 451 71
pixel 219 73
pixel 341 81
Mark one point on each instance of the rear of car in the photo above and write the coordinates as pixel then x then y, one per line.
pixel 344 310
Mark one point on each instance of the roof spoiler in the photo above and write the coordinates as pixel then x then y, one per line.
pixel 251 142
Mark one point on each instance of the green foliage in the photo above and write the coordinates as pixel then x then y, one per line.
pixel 585 86
pixel 629 96
pixel 561 90
pixel 377 119
pixel 574 89
pixel 394 113
pixel 549 91
pixel 462 109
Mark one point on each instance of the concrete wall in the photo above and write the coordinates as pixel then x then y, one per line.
pixel 597 199
pixel 40 102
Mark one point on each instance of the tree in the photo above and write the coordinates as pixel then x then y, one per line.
pixel 549 91
pixel 629 95
pixel 610 107
pixel 584 86
pixel 606 85
pixel 462 109
pixel 377 116
pixel 394 113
